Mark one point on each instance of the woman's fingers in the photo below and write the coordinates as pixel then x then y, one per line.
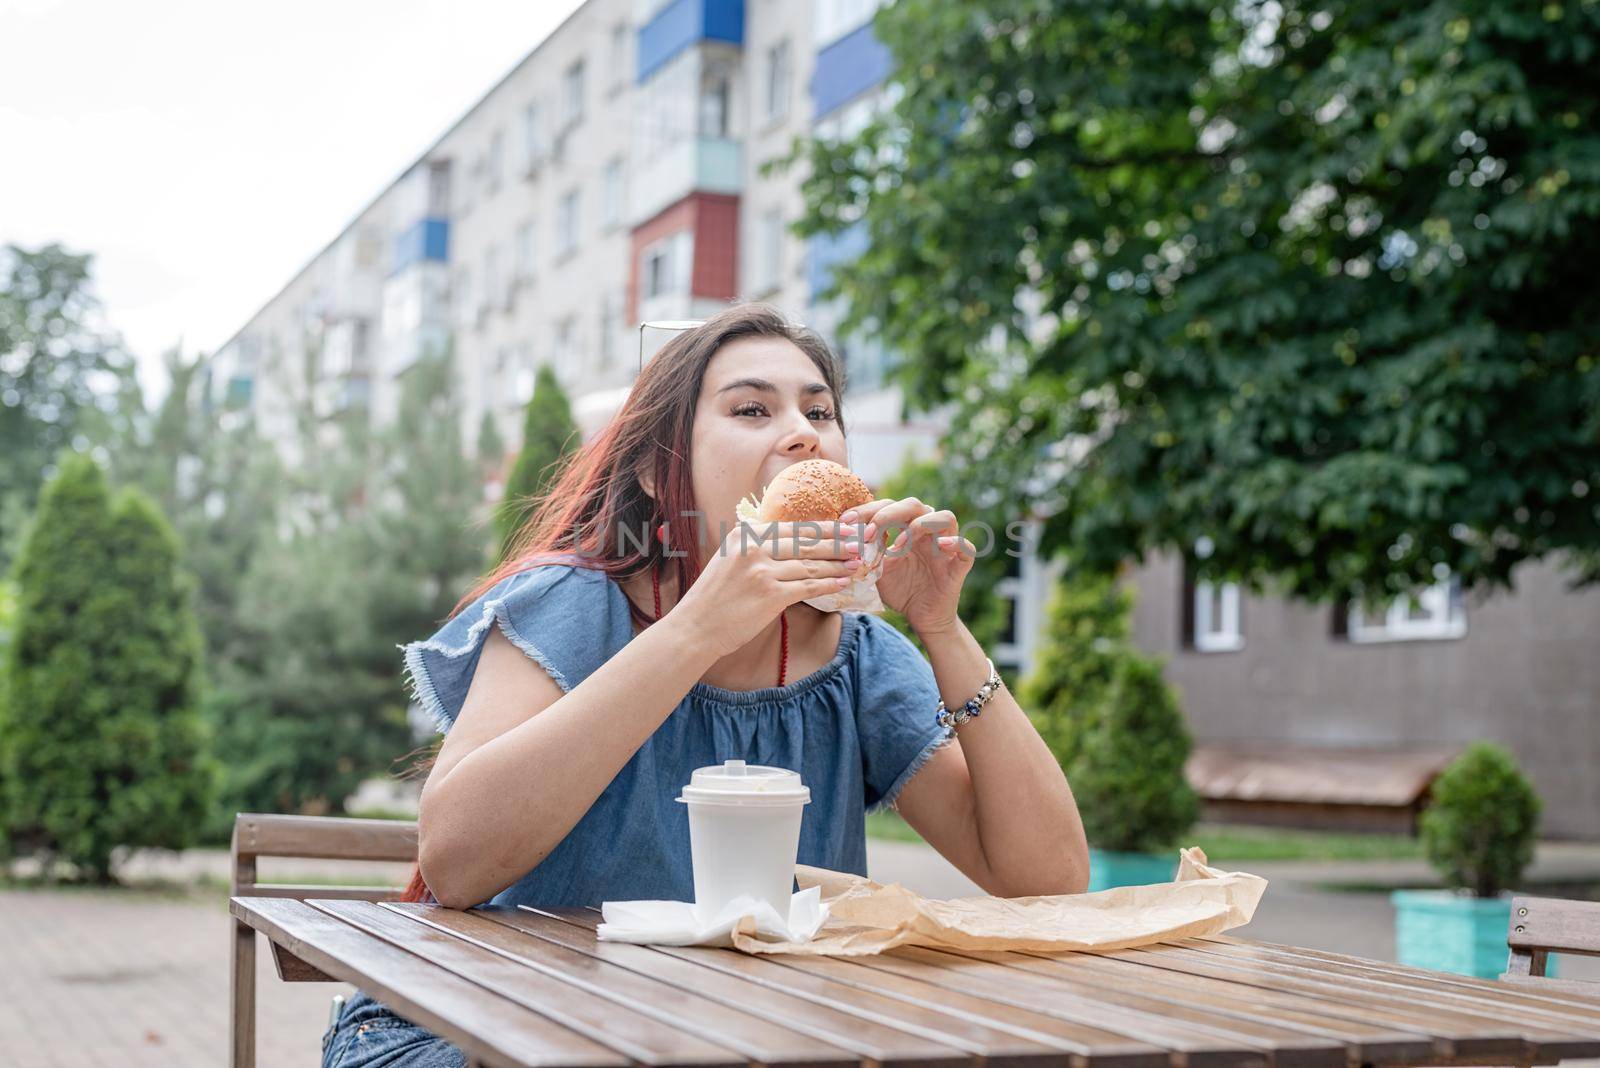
pixel 806 540
pixel 900 513
pixel 814 587
pixel 928 523
pixel 866 513
pixel 800 570
pixel 955 545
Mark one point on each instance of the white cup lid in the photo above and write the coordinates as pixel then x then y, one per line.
pixel 734 782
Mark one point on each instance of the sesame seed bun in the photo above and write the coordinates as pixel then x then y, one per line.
pixel 811 489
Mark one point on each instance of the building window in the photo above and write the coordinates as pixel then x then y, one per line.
pixel 526 250
pixel 466 310
pixel 494 164
pixel 778 78
pixel 620 74
pixel 1434 613
pixel 665 270
pixel 611 193
pixel 769 256
pixel 611 305
pixel 565 354
pixel 572 95
pixel 714 92
pixel 657 272
pixel 1216 617
pixel 497 284
pixel 533 145
pixel 567 224
pixel 1211 616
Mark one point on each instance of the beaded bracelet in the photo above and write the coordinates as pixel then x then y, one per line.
pixel 973 706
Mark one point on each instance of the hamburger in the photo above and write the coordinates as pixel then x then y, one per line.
pixel 811 489
pixel 821 491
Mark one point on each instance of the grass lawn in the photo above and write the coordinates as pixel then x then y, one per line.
pixel 1228 844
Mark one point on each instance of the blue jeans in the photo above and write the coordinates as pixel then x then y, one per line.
pixel 368 1035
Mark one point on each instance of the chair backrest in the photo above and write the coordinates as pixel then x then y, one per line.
pixel 1544 925
pixel 318 838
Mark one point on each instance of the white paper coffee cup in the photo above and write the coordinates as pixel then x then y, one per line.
pixel 744 833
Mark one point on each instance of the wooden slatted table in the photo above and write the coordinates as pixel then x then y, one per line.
pixel 526 987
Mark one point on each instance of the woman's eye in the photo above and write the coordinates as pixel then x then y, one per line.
pixel 752 408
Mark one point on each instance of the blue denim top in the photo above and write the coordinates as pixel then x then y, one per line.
pixel 855 729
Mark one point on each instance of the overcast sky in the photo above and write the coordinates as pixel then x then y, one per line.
pixel 204 151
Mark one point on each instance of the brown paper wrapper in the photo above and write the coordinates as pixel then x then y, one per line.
pixel 865 917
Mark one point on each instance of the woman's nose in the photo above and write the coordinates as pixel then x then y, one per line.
pixel 802 438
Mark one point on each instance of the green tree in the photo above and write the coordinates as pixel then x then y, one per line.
pixel 101 743
pixel 548 434
pixel 59 367
pixel 1481 821
pixel 217 481
pixel 382 536
pixel 1309 279
pixel 1112 722
pixel 1127 770
pixel 491 447
pixel 1087 632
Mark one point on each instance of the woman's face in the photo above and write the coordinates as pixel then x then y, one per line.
pixel 763 406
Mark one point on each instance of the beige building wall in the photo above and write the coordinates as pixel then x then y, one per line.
pixel 1525 673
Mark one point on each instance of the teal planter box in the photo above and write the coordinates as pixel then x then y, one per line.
pixel 1447 932
pixel 1108 869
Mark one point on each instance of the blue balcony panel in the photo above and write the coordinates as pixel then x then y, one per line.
pixel 686 22
pixel 425 239
pixel 848 67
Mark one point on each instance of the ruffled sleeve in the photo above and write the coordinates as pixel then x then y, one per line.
pixel 568 619
pixel 897 698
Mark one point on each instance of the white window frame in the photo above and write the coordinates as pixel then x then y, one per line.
pixel 534 145
pixel 568 211
pixel 527 251
pixel 1221 635
pixel 611 193
pixel 572 94
pixel 780 64
pixel 714 102
pixel 494 161
pixel 675 253
pixel 621 75
pixel 1445 618
pixel 564 348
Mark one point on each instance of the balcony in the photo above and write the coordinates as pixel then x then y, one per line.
pixel 684 23
pixel 425 239
pixel 696 164
pixel 848 67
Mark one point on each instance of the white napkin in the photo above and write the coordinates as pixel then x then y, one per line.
pixel 679 923
pixel 862 593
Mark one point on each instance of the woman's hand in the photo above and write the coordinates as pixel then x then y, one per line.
pixel 925 567
pixel 759 570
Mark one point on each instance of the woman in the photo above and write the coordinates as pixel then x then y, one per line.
pixel 621 646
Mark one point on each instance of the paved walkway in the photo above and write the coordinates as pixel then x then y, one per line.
pixel 140 978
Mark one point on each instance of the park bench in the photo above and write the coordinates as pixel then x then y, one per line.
pixel 1544 925
pixel 258 835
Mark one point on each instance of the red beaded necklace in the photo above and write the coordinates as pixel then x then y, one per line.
pixel 783 626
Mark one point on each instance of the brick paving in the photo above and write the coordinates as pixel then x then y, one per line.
pixel 140 978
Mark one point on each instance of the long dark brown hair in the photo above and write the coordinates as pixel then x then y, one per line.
pixel 596 513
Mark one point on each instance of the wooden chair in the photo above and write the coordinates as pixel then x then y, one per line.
pixel 301 837
pixel 1544 925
